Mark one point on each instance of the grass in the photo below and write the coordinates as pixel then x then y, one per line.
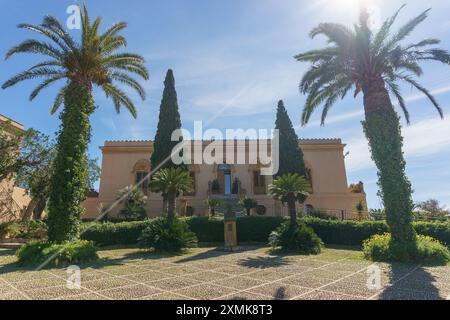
pixel 207 273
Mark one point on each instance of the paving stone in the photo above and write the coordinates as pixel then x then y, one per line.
pixel 53 293
pixel 325 295
pixel 148 276
pixel 210 276
pixel 130 292
pixel 246 296
pixel 280 291
pixel 399 294
pixel 39 283
pixel 174 283
pixel 166 296
pixel 351 288
pixel 107 283
pixel 241 283
pixel 205 292
pixel 305 281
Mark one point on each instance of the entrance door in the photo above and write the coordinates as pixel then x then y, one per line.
pixel 224 178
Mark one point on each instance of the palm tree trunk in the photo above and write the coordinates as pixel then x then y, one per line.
pixel 40 207
pixel 28 214
pixel 213 212
pixel 382 129
pixel 292 211
pixel 67 187
pixel 171 198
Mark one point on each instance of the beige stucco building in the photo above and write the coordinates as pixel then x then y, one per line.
pixel 125 163
pixel 13 200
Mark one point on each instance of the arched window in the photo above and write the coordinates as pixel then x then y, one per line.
pixel 141 171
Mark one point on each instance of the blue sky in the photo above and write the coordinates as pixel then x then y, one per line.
pixel 236 56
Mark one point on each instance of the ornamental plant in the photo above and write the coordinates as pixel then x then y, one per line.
pixel 94 60
pixel 374 63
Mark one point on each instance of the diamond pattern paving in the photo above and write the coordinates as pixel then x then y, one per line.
pixel 206 273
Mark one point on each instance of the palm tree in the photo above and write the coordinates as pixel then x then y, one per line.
pixel 172 182
pixel 94 60
pixel 289 188
pixel 248 204
pixel 133 200
pixel 373 63
pixel 212 204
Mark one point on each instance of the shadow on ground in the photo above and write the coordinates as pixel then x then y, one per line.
pixel 415 284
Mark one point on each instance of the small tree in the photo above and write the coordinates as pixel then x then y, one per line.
pixel 289 188
pixel 248 204
pixel 171 182
pixel 133 200
pixel 212 204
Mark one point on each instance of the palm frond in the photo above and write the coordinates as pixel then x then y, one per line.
pixel 120 98
pixel 395 90
pixel 33 74
pixel 408 28
pixel 45 84
pixel 425 92
pixel 382 34
pixel 35 46
pixel 335 32
pixel 48 33
pixel 59 99
pixel 125 79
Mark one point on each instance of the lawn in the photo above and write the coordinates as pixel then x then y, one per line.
pixel 206 273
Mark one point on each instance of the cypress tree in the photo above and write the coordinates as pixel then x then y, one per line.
pixel 291 155
pixel 169 120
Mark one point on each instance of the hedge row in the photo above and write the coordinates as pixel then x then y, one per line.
pixel 258 229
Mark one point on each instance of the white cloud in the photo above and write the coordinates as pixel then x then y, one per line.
pixel 426 137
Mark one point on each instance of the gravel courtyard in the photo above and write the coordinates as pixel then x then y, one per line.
pixel 206 273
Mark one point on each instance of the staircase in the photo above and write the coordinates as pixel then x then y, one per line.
pixel 9 209
pixel 229 202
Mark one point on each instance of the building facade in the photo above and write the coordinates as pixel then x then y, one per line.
pixel 126 163
pixel 13 200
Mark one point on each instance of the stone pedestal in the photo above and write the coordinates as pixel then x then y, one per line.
pixel 230 233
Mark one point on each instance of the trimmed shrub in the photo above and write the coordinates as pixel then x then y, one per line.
pixel 345 232
pixel 108 233
pixel 207 229
pixel 37 252
pixel 167 235
pixel 256 229
pixel 296 238
pixel 425 250
pixel 35 229
pixel 437 230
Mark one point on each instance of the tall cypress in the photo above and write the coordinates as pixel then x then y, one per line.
pixel 169 120
pixel 291 155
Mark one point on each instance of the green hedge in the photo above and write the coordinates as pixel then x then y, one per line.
pixel 437 230
pixel 258 229
pixel 108 233
pixel 345 232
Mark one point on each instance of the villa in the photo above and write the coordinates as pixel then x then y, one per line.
pixel 127 163
pixel 13 200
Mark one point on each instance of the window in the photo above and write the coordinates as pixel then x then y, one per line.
pixel 141 177
pixel 259 182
